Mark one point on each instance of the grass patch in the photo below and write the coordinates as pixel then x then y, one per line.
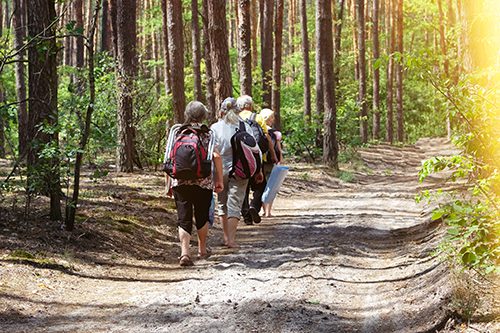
pixel 346 176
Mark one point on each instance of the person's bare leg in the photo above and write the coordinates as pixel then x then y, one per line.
pixel 232 224
pixel 225 227
pixel 185 238
pixel 202 240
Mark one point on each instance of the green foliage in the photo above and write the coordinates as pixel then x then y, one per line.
pixel 472 213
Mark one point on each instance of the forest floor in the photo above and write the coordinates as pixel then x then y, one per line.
pixel 338 256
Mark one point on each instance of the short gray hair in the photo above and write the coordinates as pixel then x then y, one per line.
pixel 195 112
pixel 244 101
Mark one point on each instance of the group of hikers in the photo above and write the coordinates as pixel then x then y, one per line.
pixel 231 158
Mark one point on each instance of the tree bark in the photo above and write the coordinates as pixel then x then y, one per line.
pixel 391 36
pixel 320 108
pixel 245 48
pixel 195 43
pixel 376 71
pixel 324 46
pixel 444 53
pixel 338 39
pixel 127 71
pixel 208 65
pixel 400 71
pixel 79 55
pixel 363 126
pixel 217 32
pixel 166 54
pixel 2 97
pixel 42 81
pixel 19 35
pixel 255 46
pixel 266 31
pixel 305 56
pixel 105 28
pixel 277 60
pixel 176 53
pixel 114 25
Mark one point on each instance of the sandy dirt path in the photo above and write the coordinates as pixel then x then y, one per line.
pixel 336 257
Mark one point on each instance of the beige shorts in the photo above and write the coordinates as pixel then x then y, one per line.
pixel 230 200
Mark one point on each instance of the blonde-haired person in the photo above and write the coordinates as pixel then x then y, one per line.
pixel 268 116
pixel 194 197
pixel 231 198
pixel 250 209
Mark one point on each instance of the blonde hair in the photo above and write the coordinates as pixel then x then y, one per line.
pixel 266 113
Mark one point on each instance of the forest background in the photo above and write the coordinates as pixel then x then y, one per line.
pixel 83 82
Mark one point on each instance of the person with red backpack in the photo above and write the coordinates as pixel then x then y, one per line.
pixel 241 160
pixel 189 158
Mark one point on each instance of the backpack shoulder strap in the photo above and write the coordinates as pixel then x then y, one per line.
pixel 242 127
pixel 253 116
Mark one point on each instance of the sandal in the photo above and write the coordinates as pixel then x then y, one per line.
pixel 185 260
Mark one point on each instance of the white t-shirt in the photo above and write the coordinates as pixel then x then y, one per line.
pixel 223 132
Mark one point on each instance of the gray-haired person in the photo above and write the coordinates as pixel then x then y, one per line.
pixel 194 196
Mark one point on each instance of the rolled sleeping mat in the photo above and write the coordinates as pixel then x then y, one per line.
pixel 274 183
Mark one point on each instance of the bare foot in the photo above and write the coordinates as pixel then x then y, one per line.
pixel 232 245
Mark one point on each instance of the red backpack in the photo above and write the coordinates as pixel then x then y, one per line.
pixel 187 156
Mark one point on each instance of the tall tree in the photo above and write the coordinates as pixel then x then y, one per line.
pixel 320 103
pixel 114 25
pixel 266 49
pixel 363 126
pixel 399 71
pixel 176 53
pixel 166 54
pixel 105 28
pixel 217 32
pixel 42 80
pixel 444 53
pixel 2 97
pixel 305 56
pixel 324 46
pixel 245 48
pixel 391 36
pixel 339 23
pixel 255 46
pixel 376 70
pixel 277 59
pixel 79 55
pixel 19 35
pixel 127 71
pixel 195 43
pixel 208 64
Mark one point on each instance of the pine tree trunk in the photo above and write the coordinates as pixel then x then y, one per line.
pixel 363 126
pixel 195 42
pixel 320 108
pixel 444 53
pixel 127 71
pixel 79 55
pixel 291 26
pixel 277 60
pixel 166 54
pixel 245 48
pixel 19 35
pixel 324 46
pixel 376 71
pixel 105 28
pixel 217 32
pixel 338 44
pixel 208 65
pixel 305 57
pixel 2 96
pixel 255 47
pixel 42 81
pixel 176 53
pixel 114 26
pixel 400 72
pixel 391 36
pixel 266 31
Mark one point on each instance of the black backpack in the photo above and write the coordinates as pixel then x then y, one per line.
pixel 258 133
pixel 188 156
pixel 274 140
pixel 246 154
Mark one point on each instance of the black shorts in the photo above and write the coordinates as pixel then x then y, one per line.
pixel 189 198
